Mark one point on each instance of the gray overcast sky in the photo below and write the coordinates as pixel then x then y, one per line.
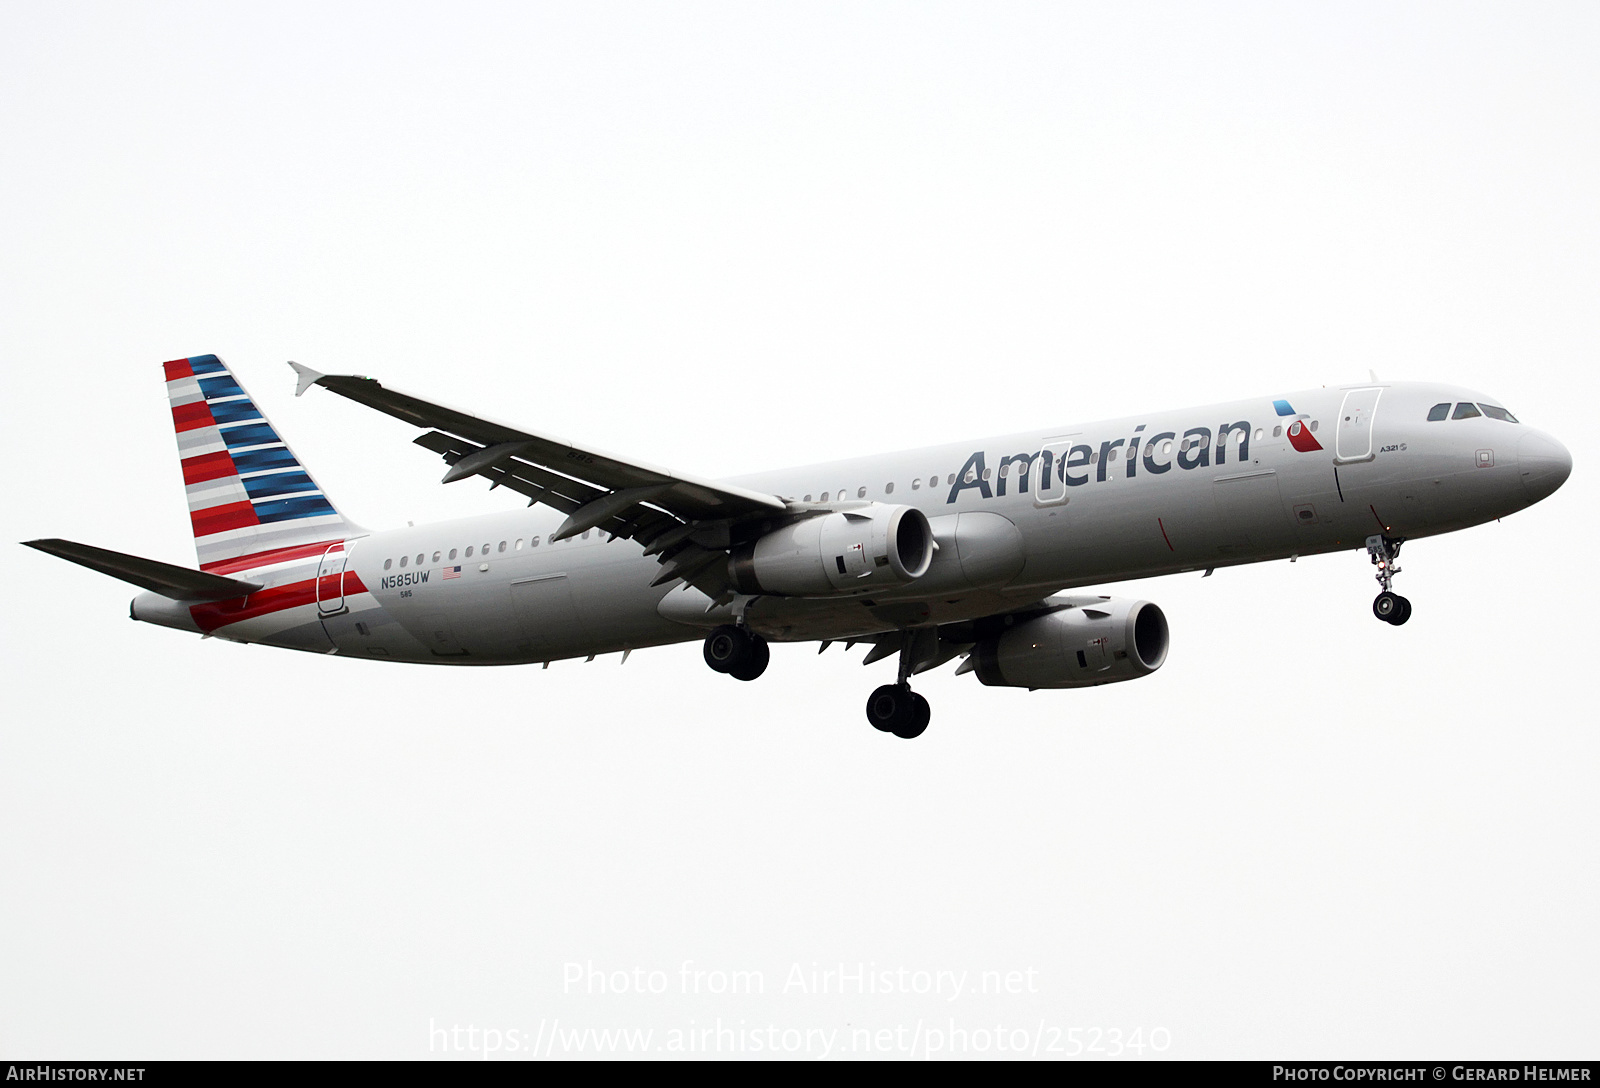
pixel 733 237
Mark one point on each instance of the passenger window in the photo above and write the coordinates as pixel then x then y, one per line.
pixel 1259 434
pixel 486 549
pixel 586 533
pixel 387 563
pixel 502 545
pixel 1498 413
pixel 436 557
pixel 888 489
pixel 1313 425
pixel 469 553
pixel 985 474
pixel 519 544
pixel 1277 432
pixel 534 542
pixel 452 555
pixel 824 496
pixel 916 484
pixel 420 558
pixel 806 499
pixel 951 481
pixel 1438 412
pixel 402 562
pixel 861 492
pixel 1166 448
pixel 1466 410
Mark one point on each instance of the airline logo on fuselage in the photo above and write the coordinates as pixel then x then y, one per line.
pixel 1073 465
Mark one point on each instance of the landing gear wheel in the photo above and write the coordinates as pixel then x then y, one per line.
pixel 1388 606
pixel 887 706
pixel 920 713
pixel 730 648
pixel 895 708
pixel 1391 608
pixel 760 654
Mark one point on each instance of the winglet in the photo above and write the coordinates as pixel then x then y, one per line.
pixel 307 377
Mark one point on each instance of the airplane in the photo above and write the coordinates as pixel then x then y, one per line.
pixel 967 549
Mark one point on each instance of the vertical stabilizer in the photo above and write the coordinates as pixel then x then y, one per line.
pixel 248 494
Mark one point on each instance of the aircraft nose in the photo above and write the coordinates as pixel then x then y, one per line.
pixel 1545 464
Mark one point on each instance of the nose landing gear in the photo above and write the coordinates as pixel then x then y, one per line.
pixel 1388 606
pixel 737 652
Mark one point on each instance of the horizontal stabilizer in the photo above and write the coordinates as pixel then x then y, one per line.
pixel 179 583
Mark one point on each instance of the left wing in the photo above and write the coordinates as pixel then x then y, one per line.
pixel 684 520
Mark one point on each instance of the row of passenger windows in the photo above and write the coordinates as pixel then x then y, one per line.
pixel 487 550
pixel 842 495
pixel 1190 443
pixel 1467 410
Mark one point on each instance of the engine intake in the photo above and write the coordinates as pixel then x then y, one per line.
pixel 1094 640
pixel 843 552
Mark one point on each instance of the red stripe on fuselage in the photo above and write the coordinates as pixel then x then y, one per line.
pixel 264 602
pixel 267 558
pixel 208 466
pixel 219 519
pixel 178 368
pixel 186 417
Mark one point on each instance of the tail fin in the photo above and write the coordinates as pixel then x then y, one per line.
pixel 249 495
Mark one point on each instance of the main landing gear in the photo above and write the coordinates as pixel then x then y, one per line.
pixel 737 652
pixel 1388 606
pixel 895 708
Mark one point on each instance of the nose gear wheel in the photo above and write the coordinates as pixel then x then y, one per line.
pixel 1388 606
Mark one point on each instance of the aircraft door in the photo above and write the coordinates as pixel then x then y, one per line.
pixel 1049 489
pixel 330 581
pixel 1353 439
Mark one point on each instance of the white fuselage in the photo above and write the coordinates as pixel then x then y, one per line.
pixel 1128 498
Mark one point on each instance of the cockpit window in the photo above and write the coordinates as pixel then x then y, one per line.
pixel 1498 413
pixel 1466 410
pixel 1438 412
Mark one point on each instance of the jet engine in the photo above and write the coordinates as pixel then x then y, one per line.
pixel 847 551
pixel 1093 640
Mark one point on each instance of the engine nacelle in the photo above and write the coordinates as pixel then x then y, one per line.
pixel 846 551
pixel 1094 640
